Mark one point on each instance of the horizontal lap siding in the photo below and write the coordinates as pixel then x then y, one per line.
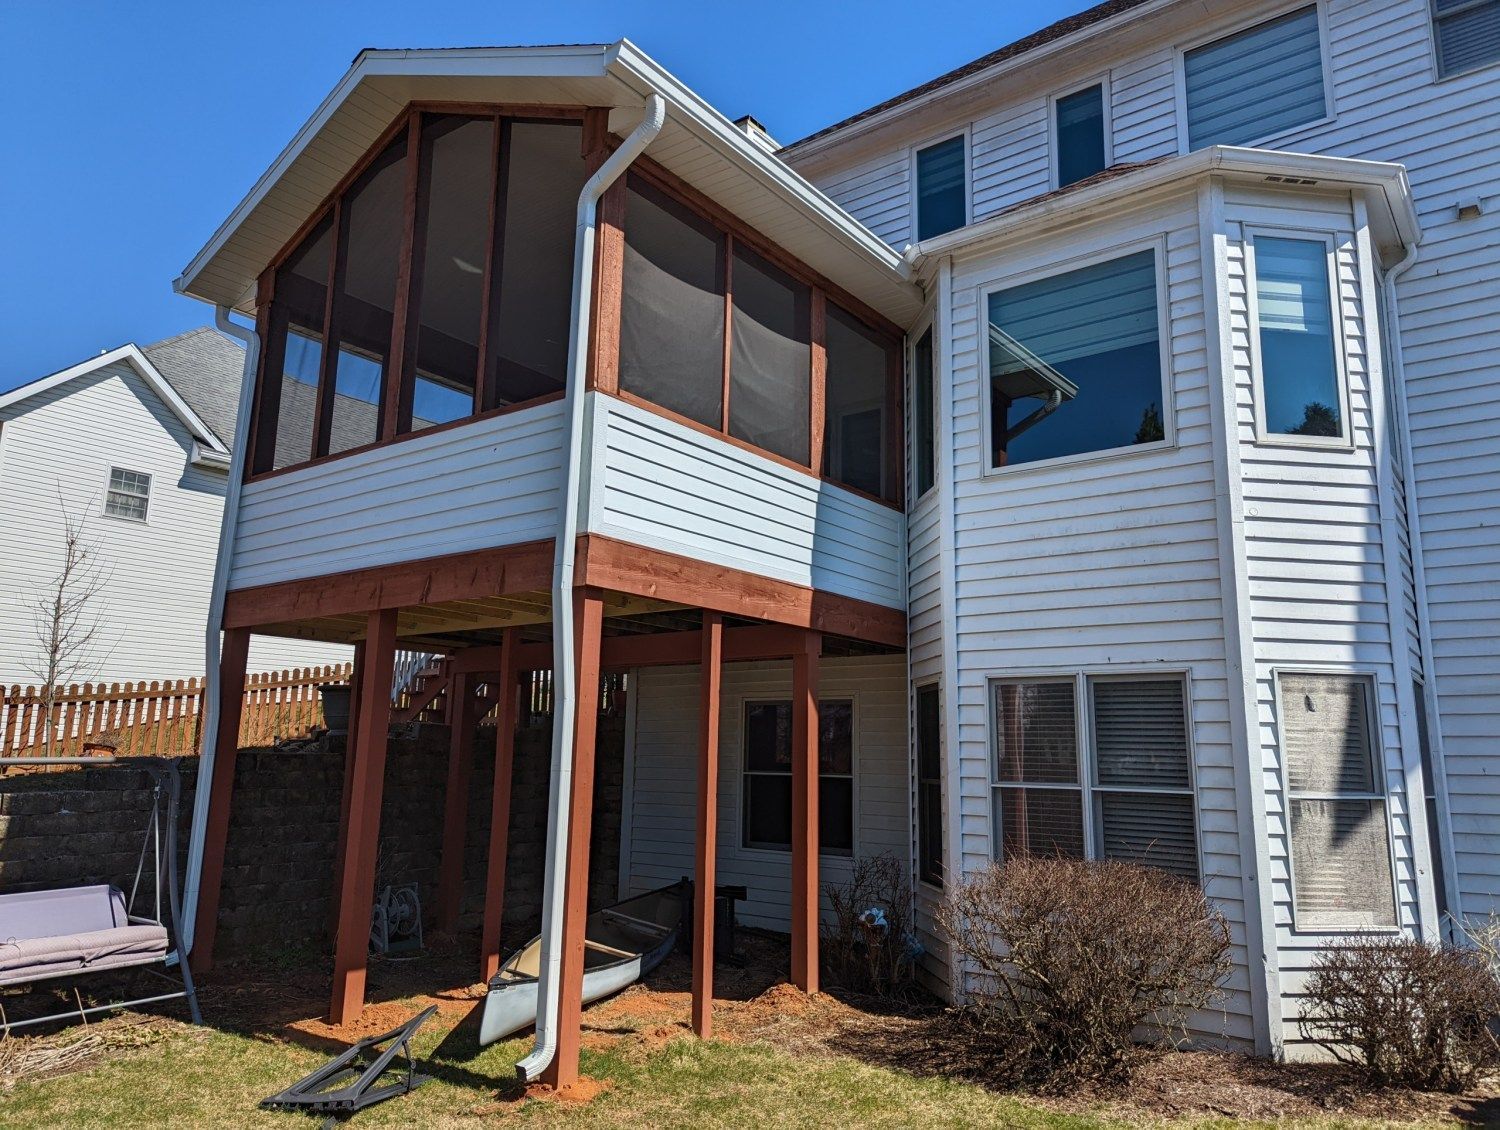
pixel 666 486
pixel 490 483
pixel 1010 157
pixel 1101 563
pixel 877 193
pixel 664 773
pixel 1317 575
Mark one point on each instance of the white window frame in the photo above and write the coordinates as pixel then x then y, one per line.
pixel 1383 793
pixel 1437 65
pixel 1271 140
pixel 911 173
pixel 1053 156
pixel 1083 724
pixel 1156 244
pixel 936 683
pixel 109 489
pixel 760 851
pixel 928 324
pixel 1330 242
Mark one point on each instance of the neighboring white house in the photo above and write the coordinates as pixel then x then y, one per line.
pixel 134 445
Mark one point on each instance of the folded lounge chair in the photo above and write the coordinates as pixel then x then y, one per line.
pixel 77 930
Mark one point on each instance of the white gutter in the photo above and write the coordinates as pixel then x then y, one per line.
pixel 211 638
pixel 564 704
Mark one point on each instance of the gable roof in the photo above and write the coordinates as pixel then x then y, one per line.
pixel 205 367
pixel 208 447
pixel 1060 29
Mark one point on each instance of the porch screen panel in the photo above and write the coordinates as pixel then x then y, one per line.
pixel 542 171
pixel 857 403
pixel 672 307
pixel 299 311
pixel 1341 847
pixel 1256 83
pixel 1038 798
pixel 770 368
pixel 453 229
pixel 365 298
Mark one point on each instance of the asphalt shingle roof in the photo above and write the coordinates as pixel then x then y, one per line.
pixel 205 368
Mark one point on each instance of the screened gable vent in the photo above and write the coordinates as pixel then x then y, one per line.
pixel 1304 181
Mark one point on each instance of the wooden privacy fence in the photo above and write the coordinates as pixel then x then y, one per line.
pixel 156 718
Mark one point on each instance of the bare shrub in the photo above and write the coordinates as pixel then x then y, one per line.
pixel 869 946
pixel 1069 959
pixel 1404 1011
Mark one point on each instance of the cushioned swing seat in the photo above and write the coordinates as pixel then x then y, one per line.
pixel 75 930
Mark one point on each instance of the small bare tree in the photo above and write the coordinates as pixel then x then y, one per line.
pixel 66 622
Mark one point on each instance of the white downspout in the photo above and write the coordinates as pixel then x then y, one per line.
pixel 212 632
pixel 563 660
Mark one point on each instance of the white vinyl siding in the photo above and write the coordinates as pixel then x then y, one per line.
pixel 1255 83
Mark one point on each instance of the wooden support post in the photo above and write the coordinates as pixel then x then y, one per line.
pixel 367 784
pixel 708 824
pixel 456 801
pixel 505 751
pixel 233 655
pixel 805 813
pixel 563 1071
pixel 356 675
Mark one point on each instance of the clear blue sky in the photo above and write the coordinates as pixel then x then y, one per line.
pixel 135 127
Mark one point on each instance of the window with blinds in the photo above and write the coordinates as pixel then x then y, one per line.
pixel 1256 83
pixel 1466 34
pixel 1341 850
pixel 1301 393
pixel 1117 786
pixel 942 188
pixel 1078 134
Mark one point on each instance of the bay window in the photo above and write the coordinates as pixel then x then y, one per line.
pixel 1094 766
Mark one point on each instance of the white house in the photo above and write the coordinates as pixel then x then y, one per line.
pixel 1094 449
pixel 134 445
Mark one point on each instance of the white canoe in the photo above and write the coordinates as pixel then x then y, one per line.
pixel 622 943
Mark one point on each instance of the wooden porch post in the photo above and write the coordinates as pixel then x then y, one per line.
pixel 805 812
pixel 708 825
pixel 367 784
pixel 563 1071
pixel 456 801
pixel 356 676
pixel 233 657
pixel 505 752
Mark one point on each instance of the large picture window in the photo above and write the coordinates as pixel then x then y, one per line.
pixel 1111 780
pixel 1075 363
pixel 1255 83
pixel 1341 843
pixel 1300 385
pixel 767 821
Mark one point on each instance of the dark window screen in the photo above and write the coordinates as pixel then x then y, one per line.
pixel 770 368
pixel 300 307
pixel 857 398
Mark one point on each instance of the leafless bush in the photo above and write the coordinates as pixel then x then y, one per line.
pixel 869 948
pixel 1069 959
pixel 1484 933
pixel 1405 1011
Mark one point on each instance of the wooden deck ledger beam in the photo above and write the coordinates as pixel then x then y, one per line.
pixel 505 753
pixel 711 669
pixel 563 1071
pixel 456 800
pixel 805 813
pixel 366 787
pixel 233 657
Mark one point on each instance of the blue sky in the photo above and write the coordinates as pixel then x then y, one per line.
pixel 158 116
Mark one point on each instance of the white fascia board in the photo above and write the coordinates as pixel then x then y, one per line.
pixel 715 130
pixel 131 354
pixel 586 60
pixel 1398 218
pixel 209 458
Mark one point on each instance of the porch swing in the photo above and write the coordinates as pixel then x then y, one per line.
pixel 72 931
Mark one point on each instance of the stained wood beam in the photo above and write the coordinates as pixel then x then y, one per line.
pixel 346 797
pixel 367 786
pixel 233 656
pixel 461 713
pixel 505 750
pixel 705 872
pixel 563 1071
pixel 658 649
pixel 805 814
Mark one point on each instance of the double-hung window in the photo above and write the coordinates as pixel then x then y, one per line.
pixel 1301 389
pixel 767 818
pixel 1466 34
pixel 1094 766
pixel 128 495
pixel 1341 844
pixel 1256 83
pixel 1078 134
pixel 929 786
pixel 942 187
